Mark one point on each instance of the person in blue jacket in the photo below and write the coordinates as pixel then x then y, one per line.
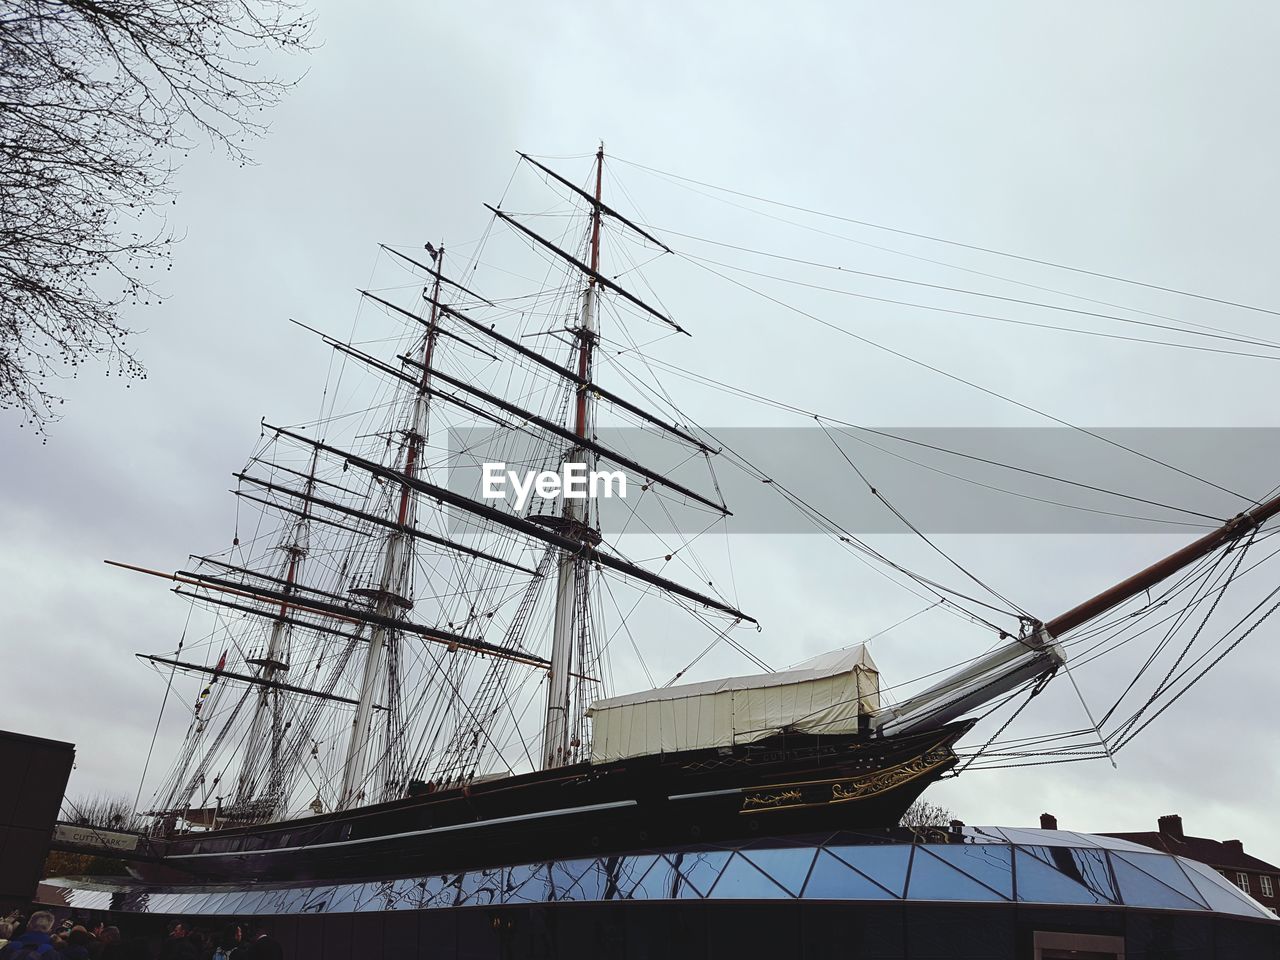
pixel 36 942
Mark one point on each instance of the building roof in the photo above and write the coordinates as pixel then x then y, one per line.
pixel 822 667
pixel 987 865
pixel 1227 855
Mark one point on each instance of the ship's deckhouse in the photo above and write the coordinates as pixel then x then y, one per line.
pixel 824 695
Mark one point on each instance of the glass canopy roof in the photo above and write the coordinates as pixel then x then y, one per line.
pixel 971 864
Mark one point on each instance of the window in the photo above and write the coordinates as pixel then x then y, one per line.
pixel 1266 886
pixel 1242 881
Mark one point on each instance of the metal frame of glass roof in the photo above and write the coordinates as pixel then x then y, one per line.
pixel 988 865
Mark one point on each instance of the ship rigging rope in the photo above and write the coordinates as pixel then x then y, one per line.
pixel 783 405
pixel 1035 692
pixel 160 716
pixel 883 630
pixel 623 625
pixel 955 243
pixel 863 551
pixel 921 363
pixel 1211 333
pixel 1125 621
pixel 1110 627
pixel 1062 758
pixel 1184 615
pixel 1013 493
pixel 705 650
pixel 1126 732
pixel 1122 622
pixel 1004 278
pixel 837 444
pixel 1068 736
pixel 703 261
pixel 1268 495
pixel 917 531
pixel 1172 700
pixel 1122 320
pixel 969 383
pixel 804 508
pixel 1188 329
pixel 1129 734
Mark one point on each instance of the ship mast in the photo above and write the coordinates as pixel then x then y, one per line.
pixel 573 570
pixel 390 599
pixel 274 661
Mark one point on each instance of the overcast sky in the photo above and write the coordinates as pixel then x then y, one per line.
pixel 1136 140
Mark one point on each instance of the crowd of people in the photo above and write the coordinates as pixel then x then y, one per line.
pixel 41 937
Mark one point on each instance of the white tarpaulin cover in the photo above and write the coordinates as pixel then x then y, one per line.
pixel 822 695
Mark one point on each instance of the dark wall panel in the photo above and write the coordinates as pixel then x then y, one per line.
pixel 400 935
pixel 596 930
pixel 858 931
pixel 776 929
pixel 367 935
pixel 479 934
pixel 310 942
pixel 337 937
pixel 36 773
pixel 439 933
pixel 1256 941
pixel 740 929
pixel 17 757
pixel 45 784
pixel 1169 936
pixel 952 932
pixel 285 929
pixel 687 929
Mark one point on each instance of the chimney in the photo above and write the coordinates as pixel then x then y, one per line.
pixel 1234 846
pixel 1171 826
pixel 1048 821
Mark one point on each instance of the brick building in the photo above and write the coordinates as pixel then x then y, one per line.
pixel 1259 879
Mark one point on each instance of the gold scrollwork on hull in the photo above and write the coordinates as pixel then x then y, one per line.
pixel 884 780
pixel 771 801
pixel 817 793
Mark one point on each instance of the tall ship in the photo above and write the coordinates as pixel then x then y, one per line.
pixel 401 672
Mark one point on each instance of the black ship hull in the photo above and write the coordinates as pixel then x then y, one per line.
pixel 792 785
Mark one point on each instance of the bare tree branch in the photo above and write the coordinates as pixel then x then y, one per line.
pixel 922 813
pixel 97 98
pixel 104 811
